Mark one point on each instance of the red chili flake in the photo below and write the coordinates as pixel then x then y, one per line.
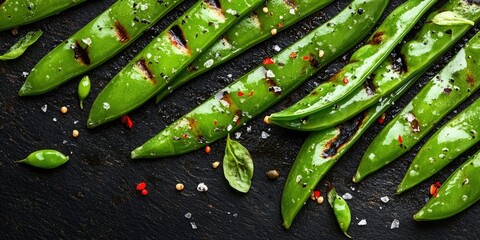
pixel 280 25
pixel 251 93
pixel 400 139
pixel 240 94
pixel 433 190
pixel 141 186
pixel 438 184
pixel 345 80
pixel 184 135
pixel 208 149
pixel 215 122
pixel 316 193
pixel 306 58
pixel 144 192
pixel 268 61
pixel 293 55
pixel 381 119
pixel 127 122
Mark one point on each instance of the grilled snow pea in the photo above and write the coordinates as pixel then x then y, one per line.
pixel 250 31
pixel 341 210
pixel 322 150
pixel 166 56
pixel 46 159
pixel 414 58
pixel 457 136
pixel 14 13
pixel 457 81
pixel 256 91
pixel 362 63
pixel 458 192
pixel 98 41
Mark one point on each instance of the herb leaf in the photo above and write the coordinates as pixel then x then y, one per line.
pixel 238 166
pixel 19 48
pixel 449 18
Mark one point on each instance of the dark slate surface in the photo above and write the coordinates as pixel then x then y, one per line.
pixel 93 196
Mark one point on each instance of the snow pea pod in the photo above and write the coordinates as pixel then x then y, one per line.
pixel 341 210
pixel 15 13
pixel 457 136
pixel 250 31
pixel 322 150
pixel 450 87
pixel 256 91
pixel 98 41
pixel 362 63
pixel 166 56
pixel 458 192
pixel 414 58
pixel 83 89
pixel 46 159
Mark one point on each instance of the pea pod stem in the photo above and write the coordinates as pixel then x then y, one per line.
pixel 166 56
pixel 101 39
pixel 362 63
pixel 228 110
pixel 441 94
pixel 449 142
pixel 17 13
pixel 413 58
pixel 250 31
pixel 460 191
pixel 322 149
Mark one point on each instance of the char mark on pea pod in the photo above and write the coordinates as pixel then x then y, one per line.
pixel 121 32
pixel 346 131
pixel 399 63
pixel 194 129
pixel 291 3
pixel 81 53
pixel 370 87
pixel 142 65
pixel 470 79
pixel 177 38
pixel 377 38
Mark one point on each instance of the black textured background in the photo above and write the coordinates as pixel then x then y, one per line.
pixel 94 197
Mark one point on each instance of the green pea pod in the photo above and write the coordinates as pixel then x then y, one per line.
pixel 21 46
pixel 457 136
pixel 442 94
pixel 341 210
pixel 458 192
pixel 15 13
pixel 46 159
pixel 166 56
pixel 414 58
pixel 322 150
pixel 238 166
pixel 250 31
pixel 83 89
pixel 256 91
pixel 98 41
pixel 362 63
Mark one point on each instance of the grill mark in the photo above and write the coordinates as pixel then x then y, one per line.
pixel 81 54
pixel 313 61
pixel 238 117
pixel 470 79
pixel 399 63
pixel 122 34
pixel 291 3
pixel 143 66
pixel 194 129
pixel 272 85
pixel 370 87
pixel 226 97
pixel 376 39
pixel 347 130
pixel 175 34
pixel 213 3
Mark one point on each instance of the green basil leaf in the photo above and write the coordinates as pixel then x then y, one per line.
pixel 449 18
pixel 19 48
pixel 238 166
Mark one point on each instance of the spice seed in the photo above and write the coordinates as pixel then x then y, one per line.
pixel 144 192
pixel 215 165
pixel 266 119
pixel 273 174
pixel 321 53
pixel 273 31
pixel 64 110
pixel 265 9
pixel 320 200
pixel 75 133
pixel 208 149
pixel 179 187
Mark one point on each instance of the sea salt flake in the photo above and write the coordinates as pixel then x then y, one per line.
pixel 25 74
pixel 44 108
pixel 270 74
pixel 230 75
pixel 54 119
pixel 202 187
pixel 277 48
pixel 194 226
pixel 265 135
pixel 188 215
pixel 395 224
pixel 249 128
pixel 347 196
pixel 385 199
pixel 238 135
pixel 362 222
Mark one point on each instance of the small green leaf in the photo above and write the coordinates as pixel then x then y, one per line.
pixel 449 18
pixel 238 166
pixel 19 48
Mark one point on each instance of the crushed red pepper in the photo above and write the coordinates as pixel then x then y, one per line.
pixel 306 58
pixel 141 186
pixel 400 139
pixel 240 94
pixel 268 61
pixel 316 193
pixel 382 118
pixel 127 122
pixel 345 80
pixel 208 149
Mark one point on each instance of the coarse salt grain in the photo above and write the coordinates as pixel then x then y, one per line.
pixel 194 226
pixel 265 135
pixel 238 135
pixel 202 187
pixel 395 224
pixel 188 215
pixel 362 222
pixel 277 48
pixel 44 108
pixel 385 199
pixel 347 196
